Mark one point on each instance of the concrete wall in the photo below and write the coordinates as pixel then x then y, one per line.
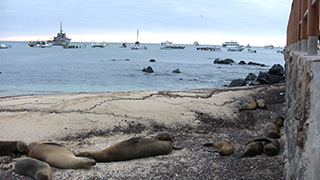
pixel 302 122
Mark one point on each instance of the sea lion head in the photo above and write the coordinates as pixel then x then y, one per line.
pixel 164 136
pixel 43 176
pixel 22 147
pixel 87 162
pixel 278 120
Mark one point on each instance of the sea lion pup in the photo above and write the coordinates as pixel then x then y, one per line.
pixel 225 148
pixel 271 147
pixel 13 148
pixel 252 149
pixel 271 130
pixel 32 167
pixel 58 155
pixel 133 148
pixel 247 103
pixel 279 120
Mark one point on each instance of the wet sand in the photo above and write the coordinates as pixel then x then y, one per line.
pixel 94 121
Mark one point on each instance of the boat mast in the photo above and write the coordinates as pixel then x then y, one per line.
pixel 137 35
pixel 60 27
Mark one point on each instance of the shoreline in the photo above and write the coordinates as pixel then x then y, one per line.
pixel 93 121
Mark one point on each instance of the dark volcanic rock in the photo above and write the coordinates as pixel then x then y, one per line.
pixel 242 63
pixel 266 78
pixel 148 69
pixel 152 60
pixel 176 71
pixel 276 69
pixel 256 64
pixel 251 77
pixel 225 61
pixel 237 82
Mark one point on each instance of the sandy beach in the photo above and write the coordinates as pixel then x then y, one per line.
pixel 94 121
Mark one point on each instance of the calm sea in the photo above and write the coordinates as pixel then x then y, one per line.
pixel 26 70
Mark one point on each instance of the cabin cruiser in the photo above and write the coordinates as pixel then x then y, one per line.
pixel 168 45
pixel 230 44
pixel 269 47
pixel 4 46
pixel 98 44
pixel 137 44
pixel 61 39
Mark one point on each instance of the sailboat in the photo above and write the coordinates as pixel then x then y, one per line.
pixel 137 44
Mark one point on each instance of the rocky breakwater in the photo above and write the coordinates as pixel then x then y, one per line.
pixel 273 76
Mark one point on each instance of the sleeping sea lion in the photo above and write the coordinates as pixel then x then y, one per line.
pixel 225 148
pixel 279 120
pixel 32 167
pixel 13 148
pixel 133 148
pixel 58 155
pixel 271 147
pixel 271 130
pixel 252 149
pixel 247 103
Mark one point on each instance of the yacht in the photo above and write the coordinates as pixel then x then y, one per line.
pixel 98 44
pixel 168 45
pixel 230 44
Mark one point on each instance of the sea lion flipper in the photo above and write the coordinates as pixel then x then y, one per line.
pixel 177 148
pixel 208 145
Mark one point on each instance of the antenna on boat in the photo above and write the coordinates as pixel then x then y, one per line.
pixel 61 27
pixel 137 35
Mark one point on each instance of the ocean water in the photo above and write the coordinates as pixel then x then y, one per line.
pixel 25 70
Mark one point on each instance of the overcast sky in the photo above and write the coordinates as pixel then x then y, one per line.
pixel 254 22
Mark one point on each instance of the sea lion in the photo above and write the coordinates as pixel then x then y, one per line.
pixel 13 148
pixel 32 167
pixel 252 149
pixel 271 130
pixel 247 103
pixel 279 120
pixel 261 104
pixel 271 147
pixel 58 155
pixel 133 148
pixel 225 148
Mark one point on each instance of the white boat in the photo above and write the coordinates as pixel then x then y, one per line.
pixel 137 45
pixel 236 48
pixel 40 44
pixel 230 44
pixel 4 46
pixel 168 45
pixel 269 47
pixel 196 43
pixel 98 44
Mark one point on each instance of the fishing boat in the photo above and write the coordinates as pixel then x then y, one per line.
pixel 61 39
pixel 196 43
pixel 230 44
pixel 168 45
pixel 98 44
pixel 137 45
pixel 4 46
pixel 236 48
pixel 40 44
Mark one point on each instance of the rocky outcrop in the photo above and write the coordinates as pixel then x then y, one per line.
pixel 148 70
pixel 224 61
pixel 176 71
pixel 238 82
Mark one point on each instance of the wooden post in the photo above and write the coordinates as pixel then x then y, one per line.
pixel 304 33
pixel 313 27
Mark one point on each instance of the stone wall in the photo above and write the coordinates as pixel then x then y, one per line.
pixel 302 122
